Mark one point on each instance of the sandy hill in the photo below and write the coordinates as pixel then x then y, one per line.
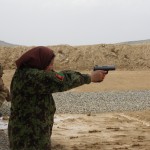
pixel 137 42
pixel 2 43
pixel 125 57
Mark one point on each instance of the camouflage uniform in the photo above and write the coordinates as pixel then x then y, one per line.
pixel 4 92
pixel 33 107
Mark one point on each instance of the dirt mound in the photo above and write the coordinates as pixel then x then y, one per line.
pixel 125 57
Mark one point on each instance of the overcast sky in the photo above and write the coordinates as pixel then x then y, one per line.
pixel 73 22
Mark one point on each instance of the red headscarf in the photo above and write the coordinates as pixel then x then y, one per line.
pixel 38 57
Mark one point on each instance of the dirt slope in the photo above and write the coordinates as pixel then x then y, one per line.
pixel 125 57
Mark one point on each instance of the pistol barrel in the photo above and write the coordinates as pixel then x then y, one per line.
pixel 105 68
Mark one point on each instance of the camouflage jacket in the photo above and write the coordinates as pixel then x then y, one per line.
pixel 1 70
pixel 4 93
pixel 33 107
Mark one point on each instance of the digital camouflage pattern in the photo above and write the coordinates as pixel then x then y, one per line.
pixel 4 92
pixel 1 70
pixel 33 107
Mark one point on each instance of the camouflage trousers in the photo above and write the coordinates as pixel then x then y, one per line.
pixel 29 141
pixel 29 131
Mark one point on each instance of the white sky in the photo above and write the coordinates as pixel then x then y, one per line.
pixel 73 22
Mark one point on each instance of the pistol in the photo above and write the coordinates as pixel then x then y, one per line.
pixel 105 68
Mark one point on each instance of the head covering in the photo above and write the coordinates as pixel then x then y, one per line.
pixel 37 57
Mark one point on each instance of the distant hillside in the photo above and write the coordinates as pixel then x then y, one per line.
pixel 136 42
pixel 2 43
pixel 124 57
pixel 139 42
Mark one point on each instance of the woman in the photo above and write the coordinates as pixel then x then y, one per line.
pixel 33 107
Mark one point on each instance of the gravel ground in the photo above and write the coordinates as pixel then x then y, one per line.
pixel 98 102
pixel 91 102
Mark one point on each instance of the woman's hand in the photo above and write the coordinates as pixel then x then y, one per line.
pixel 98 75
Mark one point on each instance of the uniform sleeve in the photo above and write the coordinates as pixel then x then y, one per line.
pixel 65 80
pixel 1 84
pixel 4 91
pixel 34 81
pixel 73 79
pixel 51 82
